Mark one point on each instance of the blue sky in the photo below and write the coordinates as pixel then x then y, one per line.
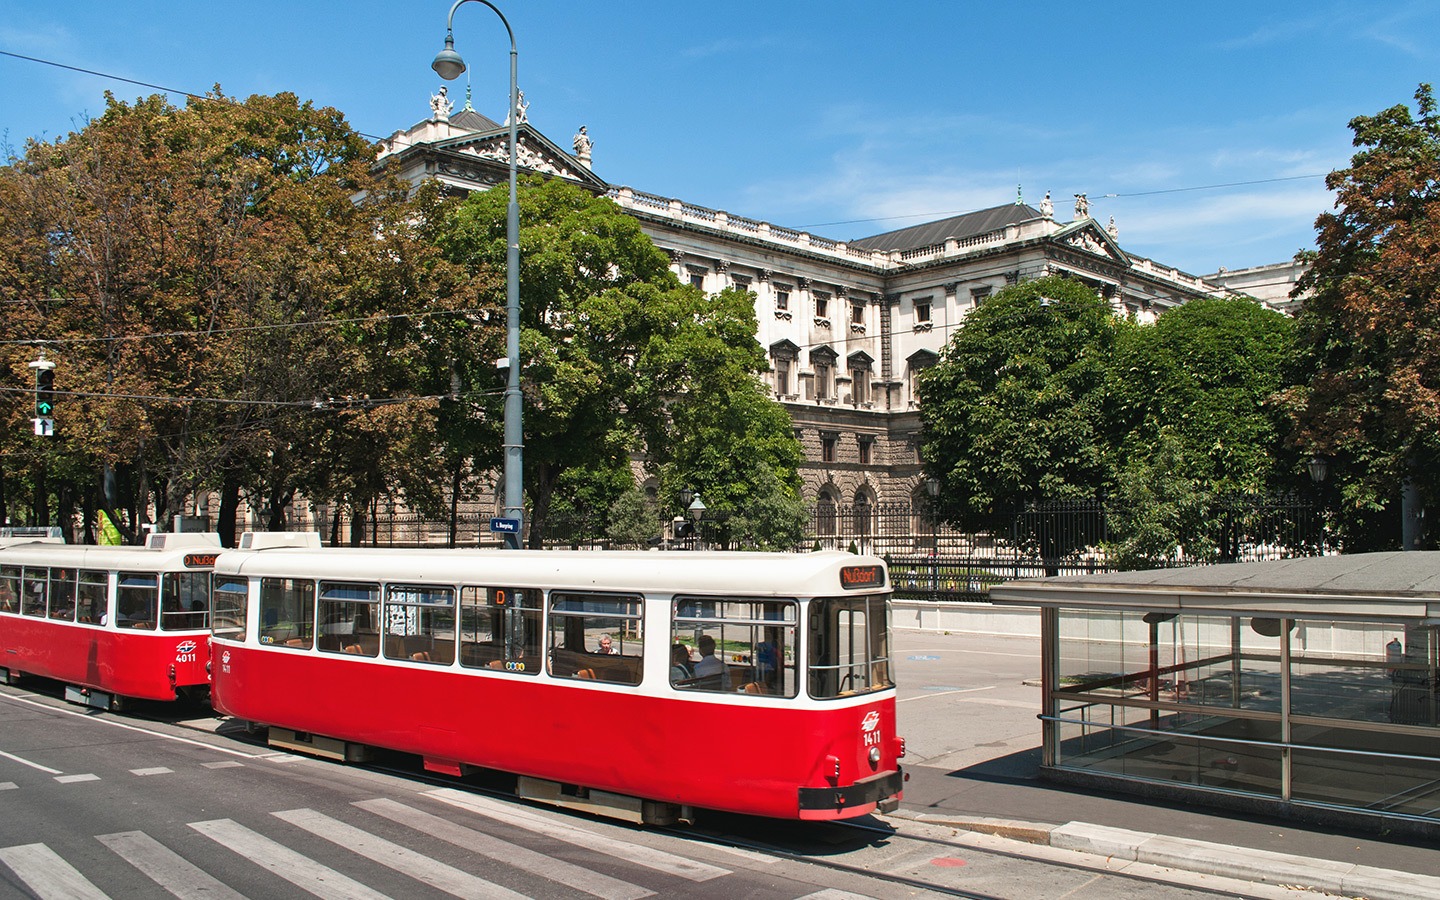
pixel 843 118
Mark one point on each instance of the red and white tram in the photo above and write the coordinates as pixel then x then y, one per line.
pixel 643 685
pixel 110 622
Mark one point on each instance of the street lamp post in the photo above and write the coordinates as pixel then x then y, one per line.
pixel 932 487
pixel 449 65
pixel 697 512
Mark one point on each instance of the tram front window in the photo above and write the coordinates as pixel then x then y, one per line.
pixel 849 646
pixel 500 629
pixel 751 642
pixel 228 598
pixel 183 601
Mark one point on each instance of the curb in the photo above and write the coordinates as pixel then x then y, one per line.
pixel 1202 857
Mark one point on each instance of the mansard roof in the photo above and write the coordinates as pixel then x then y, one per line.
pixel 470 120
pixel 963 226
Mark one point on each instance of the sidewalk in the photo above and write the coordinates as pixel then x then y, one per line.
pixel 974 759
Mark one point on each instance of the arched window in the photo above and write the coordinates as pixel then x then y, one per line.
pixel 825 513
pixel 864 513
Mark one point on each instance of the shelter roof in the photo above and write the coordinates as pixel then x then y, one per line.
pixel 1405 584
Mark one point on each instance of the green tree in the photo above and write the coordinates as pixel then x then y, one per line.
pixel 1018 410
pixel 618 357
pixel 1368 329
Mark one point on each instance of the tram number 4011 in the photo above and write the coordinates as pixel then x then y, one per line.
pixel 185 651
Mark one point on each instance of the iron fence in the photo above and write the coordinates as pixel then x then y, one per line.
pixel 928 559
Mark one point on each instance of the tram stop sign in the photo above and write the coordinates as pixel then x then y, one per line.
pixel 505 526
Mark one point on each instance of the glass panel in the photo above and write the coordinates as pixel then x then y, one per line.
pixel 32 599
pixel 135 600
pixel 62 594
pixel 228 599
pixel 287 612
pixel 9 588
pixel 500 629
pixel 735 644
pixel 597 637
pixel 1173 757
pixel 185 601
pixel 349 618
pixel 1405 786
pixel 420 624
pixel 1361 671
pixel 93 598
pixel 849 645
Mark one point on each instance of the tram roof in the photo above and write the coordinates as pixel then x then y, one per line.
pixel 759 574
pixel 162 551
pixel 1359 585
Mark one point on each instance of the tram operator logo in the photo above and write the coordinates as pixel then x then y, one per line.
pixel 185 651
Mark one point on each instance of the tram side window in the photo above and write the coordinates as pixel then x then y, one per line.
pixel 135 600
pixel 729 644
pixel 420 623
pixel 229 597
pixel 184 601
pixel 580 627
pixel 287 612
pixel 9 588
pixel 349 618
pixel 32 598
pixel 93 597
pixel 849 646
pixel 62 594
pixel 500 629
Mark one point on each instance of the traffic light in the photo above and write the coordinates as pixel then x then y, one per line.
pixel 44 392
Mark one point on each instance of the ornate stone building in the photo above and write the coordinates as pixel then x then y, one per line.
pixel 848 325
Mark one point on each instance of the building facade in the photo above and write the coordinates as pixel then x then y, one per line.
pixel 848 325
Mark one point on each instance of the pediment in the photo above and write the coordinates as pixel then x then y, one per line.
pixel 534 153
pixel 1088 237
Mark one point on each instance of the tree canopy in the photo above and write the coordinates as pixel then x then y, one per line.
pixel 1368 329
pixel 235 301
pixel 620 359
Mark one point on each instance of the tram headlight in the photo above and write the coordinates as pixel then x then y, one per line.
pixel 874 757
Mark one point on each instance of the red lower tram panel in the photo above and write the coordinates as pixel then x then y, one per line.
pixel 148 665
pixel 793 762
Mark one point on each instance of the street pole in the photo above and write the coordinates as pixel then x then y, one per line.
pixel 449 65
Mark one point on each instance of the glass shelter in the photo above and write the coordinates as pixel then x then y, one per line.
pixel 1304 687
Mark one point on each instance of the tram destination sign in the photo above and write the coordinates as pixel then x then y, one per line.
pixel 505 526
pixel 855 578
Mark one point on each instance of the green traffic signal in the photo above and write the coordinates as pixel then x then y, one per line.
pixel 44 393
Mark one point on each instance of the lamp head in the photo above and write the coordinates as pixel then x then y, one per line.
pixel 448 64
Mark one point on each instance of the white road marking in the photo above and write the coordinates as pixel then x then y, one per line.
pixel 580 878
pixel 418 866
pixel 520 817
pixel 167 868
pixel 833 894
pixel 73 779
pixel 49 876
pixel 34 765
pixel 295 868
pixel 224 764
pixel 154 770
pixel 105 720
pixel 8 785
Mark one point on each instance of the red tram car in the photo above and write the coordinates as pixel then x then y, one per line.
pixel 641 685
pixel 110 622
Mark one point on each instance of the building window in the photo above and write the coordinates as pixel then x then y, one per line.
pixel 860 386
pixel 822 381
pixel 827 447
pixel 867 444
pixel 697 276
pixel 782 377
pixel 822 305
pixel 922 310
pixel 782 298
pixel 857 314
pixel 979 295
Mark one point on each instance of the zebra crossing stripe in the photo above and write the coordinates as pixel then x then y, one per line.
pixel 833 894
pixel 402 859
pixel 597 884
pixel 49 876
pixel 520 817
pixel 299 870
pixel 167 868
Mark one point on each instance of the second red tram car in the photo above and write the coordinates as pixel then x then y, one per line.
pixel 643 685
pixel 110 622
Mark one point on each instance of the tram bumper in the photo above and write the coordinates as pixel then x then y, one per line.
pixel 866 795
